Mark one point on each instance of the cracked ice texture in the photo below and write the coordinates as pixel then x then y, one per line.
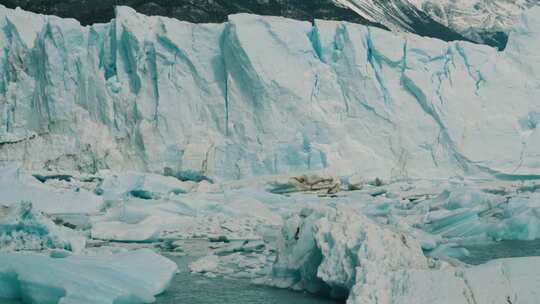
pixel 264 95
pixel 337 251
pixel 23 228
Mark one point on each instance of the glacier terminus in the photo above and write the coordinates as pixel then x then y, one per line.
pixel 264 95
pixel 315 162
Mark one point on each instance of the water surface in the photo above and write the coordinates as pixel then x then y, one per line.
pixel 198 289
pixel 482 253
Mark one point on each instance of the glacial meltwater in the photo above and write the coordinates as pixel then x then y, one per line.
pixel 199 289
pixel 483 253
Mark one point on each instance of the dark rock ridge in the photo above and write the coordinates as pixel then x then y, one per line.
pixel 216 11
pixel 197 11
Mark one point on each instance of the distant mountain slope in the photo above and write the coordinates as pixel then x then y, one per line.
pixel 482 21
pixel 390 14
pixel 198 11
pixel 401 15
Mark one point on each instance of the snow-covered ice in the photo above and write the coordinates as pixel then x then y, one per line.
pixel 120 185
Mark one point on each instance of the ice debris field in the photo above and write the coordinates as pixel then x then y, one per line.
pixel 329 158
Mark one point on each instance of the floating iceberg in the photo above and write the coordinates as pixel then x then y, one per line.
pixel 132 277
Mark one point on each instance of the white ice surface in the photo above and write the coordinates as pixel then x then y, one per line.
pixel 338 248
pixel 119 185
pixel 501 281
pixel 17 185
pixel 339 252
pixel 264 95
pixel 132 277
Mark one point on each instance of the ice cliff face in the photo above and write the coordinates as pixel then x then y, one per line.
pixel 264 95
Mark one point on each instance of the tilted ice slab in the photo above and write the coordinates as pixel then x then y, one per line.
pixel 264 95
pixel 466 213
pixel 132 277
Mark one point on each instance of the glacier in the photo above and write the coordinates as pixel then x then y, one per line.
pixel 330 157
pixel 264 95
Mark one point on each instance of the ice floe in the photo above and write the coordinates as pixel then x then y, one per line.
pixel 132 277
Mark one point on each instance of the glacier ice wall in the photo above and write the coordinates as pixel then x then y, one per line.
pixel 264 95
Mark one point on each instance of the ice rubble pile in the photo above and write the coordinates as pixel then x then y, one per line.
pixel 336 251
pixel 445 214
pixel 44 262
pixel 115 186
pixel 264 95
pixel 144 207
pixel 23 228
pixel 132 277
pixel 235 213
pixel 364 243
pixel 461 213
pixel 18 185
